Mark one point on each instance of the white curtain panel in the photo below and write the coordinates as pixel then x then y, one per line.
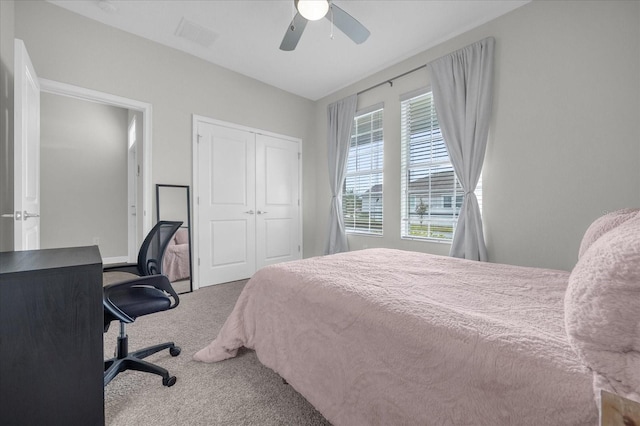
pixel 340 116
pixel 462 85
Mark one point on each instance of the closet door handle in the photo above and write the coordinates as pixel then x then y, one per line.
pixel 261 212
pixel 250 212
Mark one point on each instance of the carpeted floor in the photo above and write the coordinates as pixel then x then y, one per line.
pixel 238 391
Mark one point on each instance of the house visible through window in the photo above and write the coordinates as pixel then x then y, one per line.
pixel 431 193
pixel 448 201
pixel 362 190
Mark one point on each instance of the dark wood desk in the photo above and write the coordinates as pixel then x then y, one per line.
pixel 51 325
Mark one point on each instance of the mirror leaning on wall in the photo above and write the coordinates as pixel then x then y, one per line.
pixel 173 203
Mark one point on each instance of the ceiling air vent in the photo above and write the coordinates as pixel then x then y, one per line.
pixel 196 33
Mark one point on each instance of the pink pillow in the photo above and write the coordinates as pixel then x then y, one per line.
pixel 602 309
pixel 604 224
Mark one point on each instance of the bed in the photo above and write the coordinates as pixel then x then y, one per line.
pixel 175 263
pixel 391 337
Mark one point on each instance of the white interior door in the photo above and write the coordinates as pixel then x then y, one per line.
pixel 26 152
pixel 132 191
pixel 226 204
pixel 277 200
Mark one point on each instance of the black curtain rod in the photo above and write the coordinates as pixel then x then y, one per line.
pixel 390 81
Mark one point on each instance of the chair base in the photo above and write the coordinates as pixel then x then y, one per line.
pixel 134 361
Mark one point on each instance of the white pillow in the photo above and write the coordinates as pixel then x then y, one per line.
pixel 602 309
pixel 604 224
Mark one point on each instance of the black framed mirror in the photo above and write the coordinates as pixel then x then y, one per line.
pixel 173 203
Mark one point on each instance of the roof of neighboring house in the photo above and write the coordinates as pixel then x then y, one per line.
pixel 440 181
pixel 377 188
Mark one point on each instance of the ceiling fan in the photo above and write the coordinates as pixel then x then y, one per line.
pixel 314 10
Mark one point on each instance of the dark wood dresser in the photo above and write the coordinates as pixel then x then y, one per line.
pixel 51 325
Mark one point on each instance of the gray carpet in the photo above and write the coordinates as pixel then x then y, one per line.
pixel 238 391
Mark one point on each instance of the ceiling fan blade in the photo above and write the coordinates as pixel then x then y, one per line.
pixel 348 24
pixel 294 32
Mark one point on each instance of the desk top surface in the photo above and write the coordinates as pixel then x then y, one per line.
pixel 32 260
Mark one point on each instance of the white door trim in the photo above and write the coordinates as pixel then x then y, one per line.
pixel 64 89
pixel 196 190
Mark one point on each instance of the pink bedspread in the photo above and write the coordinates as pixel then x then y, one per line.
pixel 389 337
pixel 175 263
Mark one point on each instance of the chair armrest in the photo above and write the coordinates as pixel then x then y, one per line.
pixel 115 311
pixel 162 282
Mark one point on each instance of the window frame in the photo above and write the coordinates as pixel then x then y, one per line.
pixel 440 224
pixel 350 218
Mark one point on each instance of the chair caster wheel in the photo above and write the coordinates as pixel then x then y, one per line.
pixel 175 351
pixel 169 381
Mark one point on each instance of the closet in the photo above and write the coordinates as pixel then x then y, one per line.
pixel 247 212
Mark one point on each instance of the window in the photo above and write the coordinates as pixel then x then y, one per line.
pixel 431 193
pixel 362 190
pixel 448 201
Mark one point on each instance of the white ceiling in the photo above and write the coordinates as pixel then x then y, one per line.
pixel 248 34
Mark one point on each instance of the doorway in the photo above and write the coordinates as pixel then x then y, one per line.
pixel 135 212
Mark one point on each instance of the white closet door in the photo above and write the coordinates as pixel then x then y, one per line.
pixel 226 178
pixel 277 200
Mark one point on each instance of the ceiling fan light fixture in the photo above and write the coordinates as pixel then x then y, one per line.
pixel 312 10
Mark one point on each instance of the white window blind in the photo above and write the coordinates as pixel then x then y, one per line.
pixel 431 193
pixel 362 190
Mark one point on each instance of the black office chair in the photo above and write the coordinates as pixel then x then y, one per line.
pixel 151 251
pixel 146 294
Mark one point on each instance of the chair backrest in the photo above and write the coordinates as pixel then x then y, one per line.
pixel 154 246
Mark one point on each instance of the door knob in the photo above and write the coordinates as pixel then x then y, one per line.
pixel 17 215
pixel 261 212
pixel 249 212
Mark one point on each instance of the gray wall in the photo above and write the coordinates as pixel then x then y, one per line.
pixel 6 122
pixel 564 144
pixel 69 48
pixel 83 173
